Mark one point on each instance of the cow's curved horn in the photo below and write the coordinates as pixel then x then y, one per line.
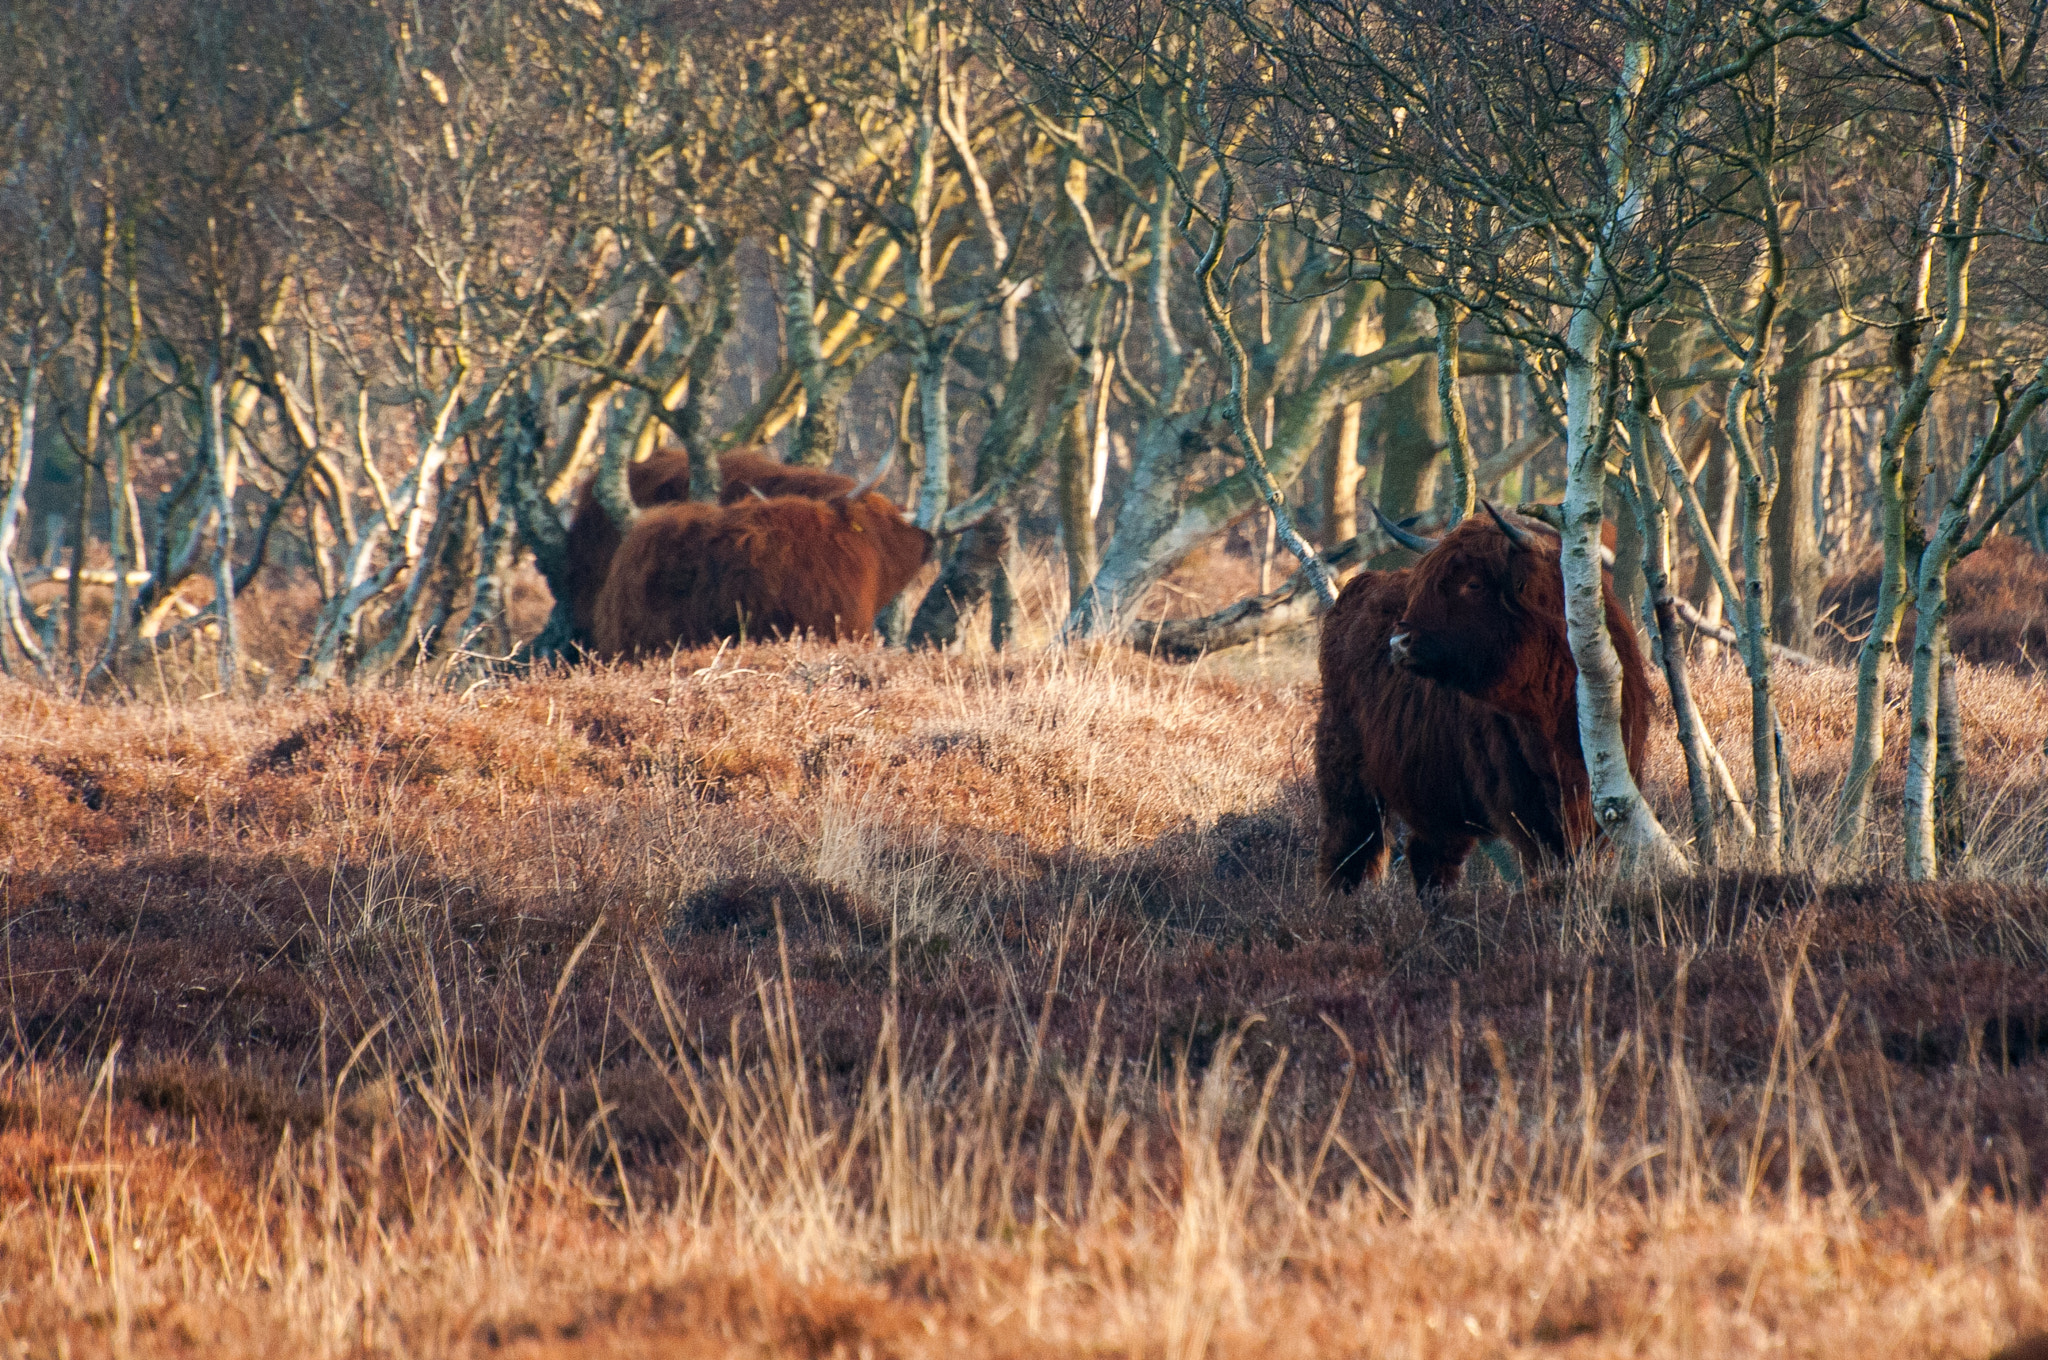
pixel 1413 542
pixel 874 479
pixel 1517 535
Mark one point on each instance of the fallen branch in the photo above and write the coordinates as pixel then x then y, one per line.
pixel 91 576
pixel 1295 602
pixel 1721 632
pixel 1491 470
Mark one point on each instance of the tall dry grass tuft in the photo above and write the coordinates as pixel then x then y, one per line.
pixel 806 1000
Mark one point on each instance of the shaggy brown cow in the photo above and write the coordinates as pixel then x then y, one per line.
pixel 1449 702
pixel 663 478
pixel 690 574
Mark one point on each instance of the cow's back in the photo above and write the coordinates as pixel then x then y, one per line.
pixel 744 472
pixel 687 575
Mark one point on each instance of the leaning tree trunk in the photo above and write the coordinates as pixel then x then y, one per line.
pixel 1933 670
pixel 1650 498
pixel 1618 805
pixel 1902 456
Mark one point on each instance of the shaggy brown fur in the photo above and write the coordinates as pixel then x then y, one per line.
pixel 744 471
pixel 1998 607
pixel 664 479
pixel 1475 732
pixel 690 574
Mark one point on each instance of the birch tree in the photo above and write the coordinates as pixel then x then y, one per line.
pixel 1972 84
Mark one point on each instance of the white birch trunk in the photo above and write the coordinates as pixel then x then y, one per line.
pixel 13 606
pixel 1618 805
pixel 1653 496
pixel 1930 634
pixel 221 475
pixel 1930 644
pixel 936 434
pixel 361 582
pixel 1866 747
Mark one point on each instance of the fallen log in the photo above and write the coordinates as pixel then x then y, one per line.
pixel 91 576
pixel 1294 602
pixel 1722 633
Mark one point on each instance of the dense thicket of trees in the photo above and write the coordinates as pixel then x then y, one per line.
pixel 359 295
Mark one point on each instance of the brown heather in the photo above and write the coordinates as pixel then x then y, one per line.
pixel 797 1000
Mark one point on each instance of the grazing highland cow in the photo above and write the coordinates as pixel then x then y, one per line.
pixel 664 479
pixel 762 566
pixel 1449 702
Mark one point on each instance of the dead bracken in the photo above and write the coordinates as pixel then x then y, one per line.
pixel 971 988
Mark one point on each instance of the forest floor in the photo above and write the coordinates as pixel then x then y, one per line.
pixel 798 1000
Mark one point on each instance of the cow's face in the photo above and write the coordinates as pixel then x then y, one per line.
pixel 1466 618
pixel 901 545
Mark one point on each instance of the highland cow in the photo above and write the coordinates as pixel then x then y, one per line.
pixel 663 478
pixel 760 567
pixel 1450 703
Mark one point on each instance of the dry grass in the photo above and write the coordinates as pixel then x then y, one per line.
pixel 1998 607
pixel 798 1000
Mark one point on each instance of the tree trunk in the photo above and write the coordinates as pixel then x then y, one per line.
pixel 496 556
pixel 1718 491
pixel 1077 516
pixel 221 473
pixel 1411 423
pixel 1951 769
pixel 1930 646
pixel 1902 457
pixel 1671 650
pixel 1934 721
pixel 14 616
pixel 1796 572
pixel 1655 494
pixel 1342 474
pixel 122 539
pixel 399 635
pixel 1618 805
pixel 1758 493
pixel 935 431
pixel 1041 390
pixel 1451 406
pixel 1631 560
pixel 520 440
pixel 977 563
pixel 1002 601
pixel 1866 748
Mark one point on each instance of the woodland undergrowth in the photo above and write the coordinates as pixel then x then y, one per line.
pixel 793 999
